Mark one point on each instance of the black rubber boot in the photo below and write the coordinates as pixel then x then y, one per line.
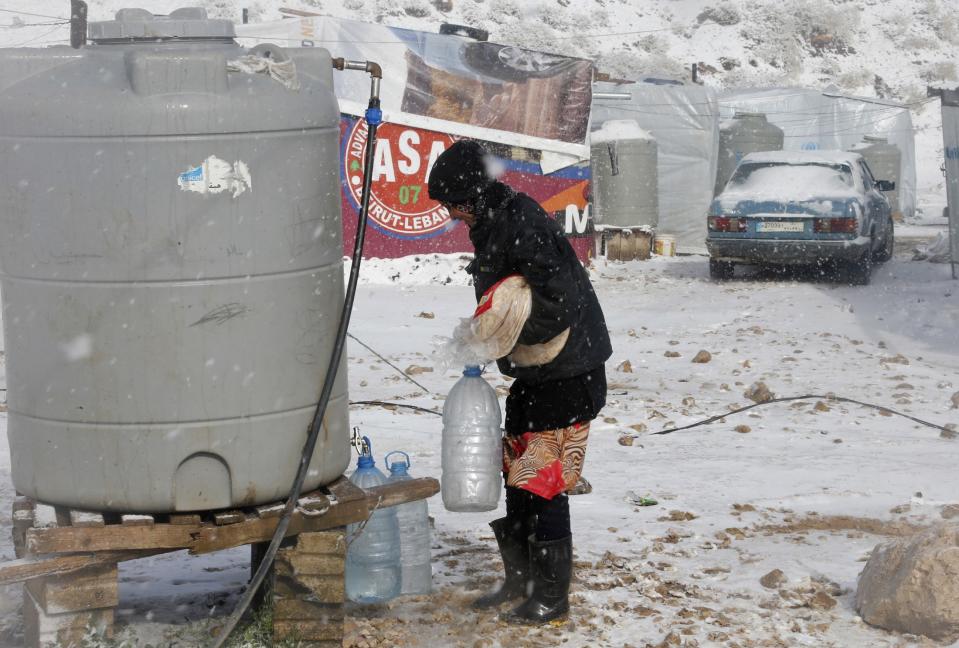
pixel 552 570
pixel 514 550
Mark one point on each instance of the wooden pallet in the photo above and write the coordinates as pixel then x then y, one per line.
pixel 78 539
pixel 68 558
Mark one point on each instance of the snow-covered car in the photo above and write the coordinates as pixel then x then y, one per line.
pixel 791 208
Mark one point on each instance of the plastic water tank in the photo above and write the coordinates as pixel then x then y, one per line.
pixel 625 176
pixel 745 133
pixel 171 266
pixel 885 162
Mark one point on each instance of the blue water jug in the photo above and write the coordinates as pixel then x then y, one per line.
pixel 414 519
pixel 373 573
pixel 472 445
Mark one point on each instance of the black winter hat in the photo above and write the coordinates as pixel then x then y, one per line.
pixel 459 175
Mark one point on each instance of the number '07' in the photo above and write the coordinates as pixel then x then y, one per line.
pixel 409 194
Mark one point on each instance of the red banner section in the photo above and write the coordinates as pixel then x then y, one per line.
pixel 404 221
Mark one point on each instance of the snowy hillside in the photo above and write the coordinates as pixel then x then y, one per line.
pixel 884 48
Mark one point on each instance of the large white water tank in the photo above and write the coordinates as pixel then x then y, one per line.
pixel 745 133
pixel 171 266
pixel 624 175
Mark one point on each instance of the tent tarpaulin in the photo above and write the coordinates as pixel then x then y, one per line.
pixel 684 119
pixel 818 120
pixel 453 84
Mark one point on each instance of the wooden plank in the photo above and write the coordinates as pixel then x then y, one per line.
pixel 205 538
pixel 17 571
pixel 315 503
pixel 270 510
pixel 210 538
pixel 343 490
pixel 109 538
pixel 403 492
pixel 85 519
pixel 228 517
pixel 92 588
pixel 136 520
pixel 186 519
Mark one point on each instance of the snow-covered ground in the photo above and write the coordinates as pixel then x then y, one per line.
pixel 808 490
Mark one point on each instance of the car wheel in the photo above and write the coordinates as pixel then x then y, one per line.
pixel 884 253
pixel 858 273
pixel 721 270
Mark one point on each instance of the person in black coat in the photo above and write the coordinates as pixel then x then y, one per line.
pixel 550 405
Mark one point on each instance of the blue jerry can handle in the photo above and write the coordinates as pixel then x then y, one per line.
pixel 405 465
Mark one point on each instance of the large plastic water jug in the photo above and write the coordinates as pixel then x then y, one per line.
pixel 472 445
pixel 414 519
pixel 373 572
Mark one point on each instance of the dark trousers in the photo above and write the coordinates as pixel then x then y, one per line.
pixel 531 514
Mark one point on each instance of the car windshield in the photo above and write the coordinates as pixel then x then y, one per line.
pixel 783 180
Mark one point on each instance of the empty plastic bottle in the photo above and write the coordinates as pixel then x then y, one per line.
pixel 472 445
pixel 414 519
pixel 373 573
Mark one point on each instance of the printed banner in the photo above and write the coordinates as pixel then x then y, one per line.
pixel 404 221
pixel 453 84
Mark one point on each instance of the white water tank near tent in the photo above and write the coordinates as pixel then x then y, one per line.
pixel 745 133
pixel 885 162
pixel 684 120
pixel 624 176
pixel 825 120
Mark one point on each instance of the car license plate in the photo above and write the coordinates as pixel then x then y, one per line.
pixel 781 226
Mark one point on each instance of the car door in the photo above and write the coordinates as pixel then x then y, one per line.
pixel 877 207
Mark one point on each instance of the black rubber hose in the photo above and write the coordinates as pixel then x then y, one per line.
pixel 338 347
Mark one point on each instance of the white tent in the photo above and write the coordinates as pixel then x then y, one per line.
pixel 824 120
pixel 684 119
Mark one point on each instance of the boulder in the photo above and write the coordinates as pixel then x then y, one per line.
pixel 912 585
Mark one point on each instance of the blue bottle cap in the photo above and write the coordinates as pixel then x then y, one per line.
pixel 473 371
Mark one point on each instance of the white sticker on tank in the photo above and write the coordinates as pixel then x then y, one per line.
pixel 216 176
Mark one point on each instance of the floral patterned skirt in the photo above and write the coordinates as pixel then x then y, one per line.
pixel 546 463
